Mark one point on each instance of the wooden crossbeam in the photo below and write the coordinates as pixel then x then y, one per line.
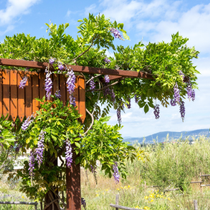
pixel 82 69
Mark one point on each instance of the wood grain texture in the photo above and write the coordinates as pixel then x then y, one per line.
pixel 21 98
pixel 1 92
pixel 6 93
pixel 28 96
pixel 76 93
pixel 35 92
pixel 14 96
pixel 82 108
pixel 63 88
pixel 41 85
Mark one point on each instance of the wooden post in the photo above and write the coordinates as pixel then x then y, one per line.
pixel 73 191
pixel 201 190
pixel 117 200
pixel 195 205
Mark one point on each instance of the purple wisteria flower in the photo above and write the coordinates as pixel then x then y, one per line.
pixel 116 172
pixel 106 78
pixel 23 82
pixel 119 115
pixel 83 202
pixel 61 67
pixel 193 95
pixel 27 122
pixel 176 93
pixel 58 94
pixel 106 60
pixel 48 84
pixel 113 95
pixel 92 84
pixel 107 91
pixel 116 33
pixel 40 148
pixel 189 90
pixel 70 86
pixel 182 110
pixel 157 111
pixel 51 61
pixel 173 102
pixel 31 164
pixel 68 154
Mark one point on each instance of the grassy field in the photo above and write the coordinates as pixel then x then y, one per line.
pixel 170 165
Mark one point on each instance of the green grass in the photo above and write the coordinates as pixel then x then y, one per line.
pixel 170 165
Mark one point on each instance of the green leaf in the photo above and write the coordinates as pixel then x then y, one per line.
pixel 126 36
pixel 146 108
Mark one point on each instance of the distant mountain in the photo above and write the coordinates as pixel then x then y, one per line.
pixel 161 136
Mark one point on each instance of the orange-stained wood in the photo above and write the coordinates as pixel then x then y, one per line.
pixel 28 96
pixel 14 96
pixel 35 92
pixel 21 103
pixel 63 88
pixel 76 93
pixel 1 94
pixel 82 108
pixel 6 96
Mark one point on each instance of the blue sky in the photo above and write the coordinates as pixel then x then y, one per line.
pixel 150 21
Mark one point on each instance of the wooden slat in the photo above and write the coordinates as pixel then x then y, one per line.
pixel 6 93
pixel 41 85
pixel 82 108
pixel 83 69
pixel 13 89
pixel 55 83
pixel 28 96
pixel 76 93
pixel 63 88
pixel 21 100
pixel 123 207
pixel 35 92
pixel 1 91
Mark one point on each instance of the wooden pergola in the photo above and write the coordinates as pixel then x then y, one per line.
pixel 22 103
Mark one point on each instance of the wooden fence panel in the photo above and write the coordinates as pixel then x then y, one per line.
pixel 21 103
pixel 1 93
pixel 14 96
pixel 28 97
pixel 82 109
pixel 6 96
pixel 35 92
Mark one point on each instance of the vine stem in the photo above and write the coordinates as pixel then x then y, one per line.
pixel 75 59
pixel 92 78
pixel 91 122
pixel 104 87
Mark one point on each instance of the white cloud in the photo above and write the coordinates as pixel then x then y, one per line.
pixel 68 13
pixel 15 8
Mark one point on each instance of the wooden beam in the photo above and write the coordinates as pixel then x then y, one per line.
pixel 83 69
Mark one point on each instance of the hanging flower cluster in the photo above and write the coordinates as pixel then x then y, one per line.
pixel 106 60
pixel 157 111
pixel 31 164
pixel 52 60
pixel 40 149
pixel 83 202
pixel 68 154
pixel 58 94
pixel 70 86
pixel 48 84
pixel 176 93
pixel 106 78
pixel 116 33
pixel 182 110
pixel 92 84
pixel 23 82
pixel 116 172
pixel 27 122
